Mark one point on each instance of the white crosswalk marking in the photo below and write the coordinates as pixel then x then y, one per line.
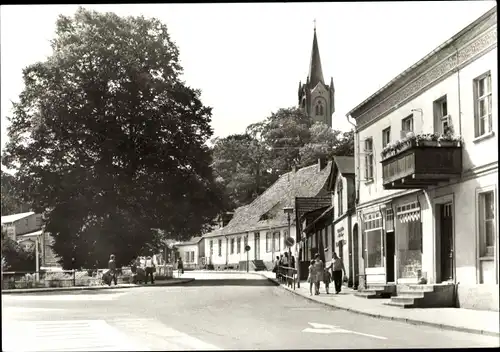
pixel 68 335
pixel 162 335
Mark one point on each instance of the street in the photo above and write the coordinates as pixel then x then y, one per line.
pixel 216 311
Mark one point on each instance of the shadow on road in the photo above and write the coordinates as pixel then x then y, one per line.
pixel 229 282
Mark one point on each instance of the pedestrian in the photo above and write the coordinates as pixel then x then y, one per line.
pixel 310 277
pixel 276 266
pixel 280 269
pixel 285 267
pixel 112 269
pixel 327 278
pixel 180 267
pixel 150 270
pixel 337 267
pixel 318 272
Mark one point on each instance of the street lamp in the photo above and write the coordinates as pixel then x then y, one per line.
pixel 289 241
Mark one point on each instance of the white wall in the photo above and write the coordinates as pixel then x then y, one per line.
pixel 183 249
pixel 475 153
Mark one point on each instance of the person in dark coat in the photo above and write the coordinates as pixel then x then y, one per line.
pixel 112 269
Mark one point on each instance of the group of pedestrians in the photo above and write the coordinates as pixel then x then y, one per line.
pixel 284 261
pixel 318 272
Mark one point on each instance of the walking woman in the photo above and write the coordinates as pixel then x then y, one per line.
pixel 310 277
pixel 318 272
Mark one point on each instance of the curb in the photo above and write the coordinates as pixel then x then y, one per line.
pixel 392 318
pixel 92 288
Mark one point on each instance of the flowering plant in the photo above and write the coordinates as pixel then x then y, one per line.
pixel 411 139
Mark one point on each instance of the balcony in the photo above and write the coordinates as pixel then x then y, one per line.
pixel 421 161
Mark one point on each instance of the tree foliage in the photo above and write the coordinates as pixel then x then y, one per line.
pixel 109 142
pixel 247 164
pixel 11 204
pixel 16 258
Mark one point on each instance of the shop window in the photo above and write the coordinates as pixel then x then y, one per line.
pixel 373 237
pixel 487 233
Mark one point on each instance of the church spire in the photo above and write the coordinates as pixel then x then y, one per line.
pixel 315 70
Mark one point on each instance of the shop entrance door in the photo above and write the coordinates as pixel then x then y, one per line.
pixel 447 255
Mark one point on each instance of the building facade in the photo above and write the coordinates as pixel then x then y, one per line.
pixel 317 98
pixel 427 171
pixel 263 224
pixel 191 252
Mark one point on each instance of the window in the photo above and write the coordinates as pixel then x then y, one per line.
pixel 319 108
pixel 276 237
pixel 220 248
pixel 192 256
pixel 268 242
pixel 442 120
pixel 340 199
pixel 369 159
pixel 238 245
pixel 232 245
pixel 482 105
pixel 186 257
pixel 406 125
pixel 386 136
pixel 211 247
pixel 486 224
pixel 373 237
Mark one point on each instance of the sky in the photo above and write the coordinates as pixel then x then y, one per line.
pixel 247 59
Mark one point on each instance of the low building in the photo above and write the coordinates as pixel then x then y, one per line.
pixel 26 229
pixel 263 224
pixel 427 173
pixel 334 228
pixel 191 252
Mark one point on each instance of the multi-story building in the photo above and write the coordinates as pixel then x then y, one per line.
pixel 427 171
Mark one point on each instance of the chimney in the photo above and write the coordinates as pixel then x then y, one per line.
pixel 321 163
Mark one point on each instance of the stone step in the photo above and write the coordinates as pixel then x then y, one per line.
pixel 366 294
pixel 411 294
pixel 405 300
pixel 417 288
pixel 399 304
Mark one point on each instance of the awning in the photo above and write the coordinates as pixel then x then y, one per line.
pixel 408 212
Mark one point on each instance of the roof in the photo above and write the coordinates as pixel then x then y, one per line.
pixel 31 234
pixel 315 70
pixel 345 164
pixel 408 71
pixel 15 217
pixel 193 240
pixel 309 181
pixel 327 213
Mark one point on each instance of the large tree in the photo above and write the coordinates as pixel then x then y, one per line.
pixel 11 203
pixel 109 142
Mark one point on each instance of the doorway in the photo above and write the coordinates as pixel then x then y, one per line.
pixel 446 240
pixel 256 246
pixel 390 252
pixel 355 255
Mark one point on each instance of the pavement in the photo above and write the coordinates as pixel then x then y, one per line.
pixel 174 281
pixel 213 312
pixel 458 319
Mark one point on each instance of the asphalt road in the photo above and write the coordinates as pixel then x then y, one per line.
pixel 217 311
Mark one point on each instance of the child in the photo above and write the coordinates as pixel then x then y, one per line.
pixel 311 276
pixel 327 278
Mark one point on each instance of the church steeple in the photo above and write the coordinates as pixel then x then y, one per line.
pixel 315 70
pixel 316 98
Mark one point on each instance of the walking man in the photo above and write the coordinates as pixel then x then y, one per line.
pixel 337 266
pixel 149 269
pixel 112 268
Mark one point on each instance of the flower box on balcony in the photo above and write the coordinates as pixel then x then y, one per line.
pixel 420 161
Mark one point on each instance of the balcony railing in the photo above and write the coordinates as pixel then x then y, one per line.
pixel 421 163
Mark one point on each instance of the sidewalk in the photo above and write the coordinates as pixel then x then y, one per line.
pixel 458 319
pixel 169 282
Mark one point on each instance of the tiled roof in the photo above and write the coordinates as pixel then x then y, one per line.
pixel 214 233
pixel 345 164
pixel 307 204
pixel 15 217
pixel 193 240
pixel 306 182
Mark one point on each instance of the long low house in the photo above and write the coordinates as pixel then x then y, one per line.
pixel 263 224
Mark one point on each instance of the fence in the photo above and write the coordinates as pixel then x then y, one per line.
pixel 287 275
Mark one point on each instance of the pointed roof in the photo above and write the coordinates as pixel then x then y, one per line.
pixel 315 70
